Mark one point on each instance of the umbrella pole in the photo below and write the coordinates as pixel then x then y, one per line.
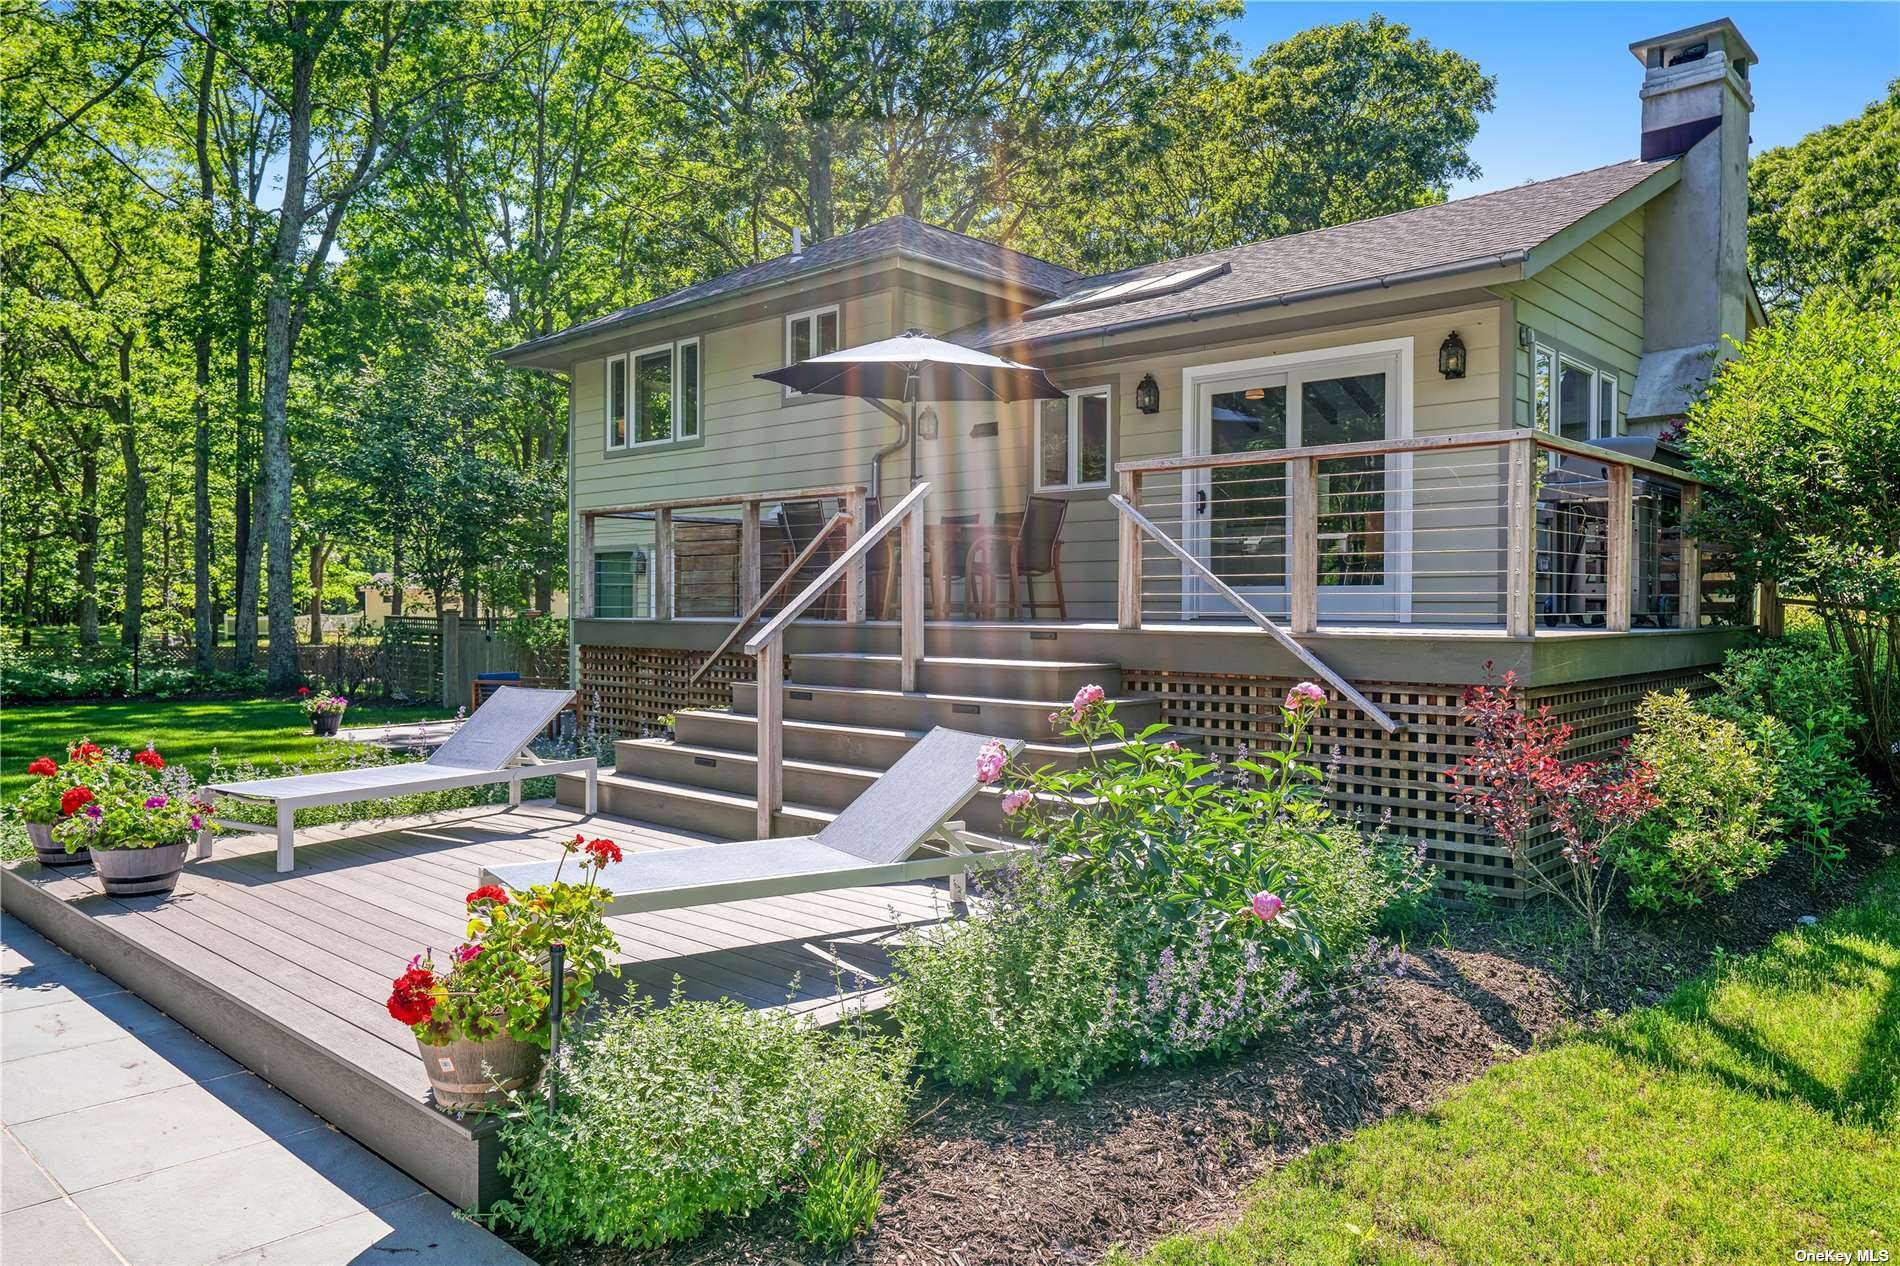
pixel 913 443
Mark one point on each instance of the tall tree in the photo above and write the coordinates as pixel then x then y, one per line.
pixel 1824 213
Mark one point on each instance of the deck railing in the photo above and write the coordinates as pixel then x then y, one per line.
pixel 767 645
pixel 1516 530
pixel 708 556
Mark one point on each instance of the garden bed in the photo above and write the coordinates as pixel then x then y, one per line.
pixel 980 1182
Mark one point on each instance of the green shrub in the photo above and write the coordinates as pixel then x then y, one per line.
pixel 1795 700
pixel 1021 996
pixel 843 1195
pixel 1711 827
pixel 669 1116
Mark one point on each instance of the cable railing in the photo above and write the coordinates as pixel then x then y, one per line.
pixel 1511 530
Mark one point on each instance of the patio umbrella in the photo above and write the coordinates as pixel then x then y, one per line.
pixel 915 368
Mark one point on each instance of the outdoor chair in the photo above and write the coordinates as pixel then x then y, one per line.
pixel 490 747
pixel 1031 549
pixel 802 521
pixel 900 829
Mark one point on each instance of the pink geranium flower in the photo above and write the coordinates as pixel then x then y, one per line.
pixel 990 762
pixel 1305 695
pixel 1015 800
pixel 1267 906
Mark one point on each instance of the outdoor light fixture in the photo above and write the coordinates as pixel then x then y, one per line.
pixel 927 424
pixel 1148 395
pixel 1451 356
pixel 983 431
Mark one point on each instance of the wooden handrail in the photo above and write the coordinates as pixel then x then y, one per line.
pixel 1280 635
pixel 764 645
pixel 1416 444
pixel 835 522
pixel 860 547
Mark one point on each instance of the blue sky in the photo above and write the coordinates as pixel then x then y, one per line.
pixel 1567 84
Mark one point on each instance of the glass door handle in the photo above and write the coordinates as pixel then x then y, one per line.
pixel 1200 501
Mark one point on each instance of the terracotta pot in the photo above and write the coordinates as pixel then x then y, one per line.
pixel 51 854
pixel 471 1076
pixel 140 872
pixel 326 723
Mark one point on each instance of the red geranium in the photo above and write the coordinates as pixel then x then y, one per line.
pixel 44 767
pixel 75 800
pixel 488 892
pixel 603 851
pixel 412 996
pixel 87 752
pixel 150 758
pixel 303 690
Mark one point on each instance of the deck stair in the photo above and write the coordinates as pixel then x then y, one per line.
pixel 846 722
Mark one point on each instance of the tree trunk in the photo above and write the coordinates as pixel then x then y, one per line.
pixel 204 627
pixel 319 555
pixel 88 540
pixel 26 596
pixel 132 616
pixel 249 541
pixel 396 584
pixel 278 334
pixel 818 180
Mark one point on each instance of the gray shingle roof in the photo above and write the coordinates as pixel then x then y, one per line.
pixel 898 235
pixel 1470 230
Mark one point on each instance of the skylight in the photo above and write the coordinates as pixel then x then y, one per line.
pixel 1129 291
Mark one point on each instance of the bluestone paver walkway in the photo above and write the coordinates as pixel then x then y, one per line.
pixel 130 1142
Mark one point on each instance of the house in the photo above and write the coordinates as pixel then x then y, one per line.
pixel 1413 446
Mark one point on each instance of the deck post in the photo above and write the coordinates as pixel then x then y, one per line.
pixel 286 838
pixel 1770 615
pixel 1617 553
pixel 771 712
pixel 584 568
pixel 1302 515
pixel 1128 582
pixel 854 576
pixel 748 556
pixel 910 598
pixel 1520 531
pixel 1689 564
pixel 662 564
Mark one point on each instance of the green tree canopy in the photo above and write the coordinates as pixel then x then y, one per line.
pixel 1824 213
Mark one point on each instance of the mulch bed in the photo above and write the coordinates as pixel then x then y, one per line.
pixel 980 1183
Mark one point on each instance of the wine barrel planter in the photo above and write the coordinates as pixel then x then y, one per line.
pixel 475 1076
pixel 139 872
pixel 49 853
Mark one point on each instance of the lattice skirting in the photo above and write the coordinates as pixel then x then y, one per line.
pixel 627 689
pixel 1398 781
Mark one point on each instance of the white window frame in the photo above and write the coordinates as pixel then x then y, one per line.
pixel 1074 425
pixel 631 361
pixel 679 389
pixel 1601 380
pixel 607 402
pixel 812 315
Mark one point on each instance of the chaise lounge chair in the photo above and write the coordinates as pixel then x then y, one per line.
pixel 900 829
pixel 490 747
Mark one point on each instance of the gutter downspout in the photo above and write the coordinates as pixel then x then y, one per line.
pixel 877 458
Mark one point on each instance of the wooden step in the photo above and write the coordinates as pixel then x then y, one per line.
pixel 684 807
pixel 841 744
pixel 993 678
pixel 976 714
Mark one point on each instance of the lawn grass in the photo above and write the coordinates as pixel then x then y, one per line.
pixel 256 729
pixel 1754 1113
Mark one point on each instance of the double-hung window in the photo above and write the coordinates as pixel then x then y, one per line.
pixel 653 396
pixel 1570 398
pixel 809 334
pixel 1072 441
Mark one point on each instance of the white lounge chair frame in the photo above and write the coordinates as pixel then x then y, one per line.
pixel 779 867
pixel 533 710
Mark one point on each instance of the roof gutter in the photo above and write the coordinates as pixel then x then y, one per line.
pixel 1287 298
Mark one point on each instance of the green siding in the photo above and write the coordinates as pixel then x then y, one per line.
pixel 1590 304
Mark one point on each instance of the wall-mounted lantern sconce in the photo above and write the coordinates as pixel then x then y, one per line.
pixel 1451 356
pixel 927 424
pixel 1148 395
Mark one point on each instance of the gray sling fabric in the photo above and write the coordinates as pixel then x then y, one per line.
pixel 912 798
pixel 496 732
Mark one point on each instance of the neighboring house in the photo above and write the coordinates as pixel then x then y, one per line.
pixel 1586 308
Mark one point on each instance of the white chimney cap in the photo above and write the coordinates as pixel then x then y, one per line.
pixel 1732 42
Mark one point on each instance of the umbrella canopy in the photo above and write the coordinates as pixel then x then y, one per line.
pixel 915 367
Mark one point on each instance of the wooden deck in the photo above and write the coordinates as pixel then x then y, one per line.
pixel 289 973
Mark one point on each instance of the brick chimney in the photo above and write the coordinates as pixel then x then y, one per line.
pixel 1696 103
